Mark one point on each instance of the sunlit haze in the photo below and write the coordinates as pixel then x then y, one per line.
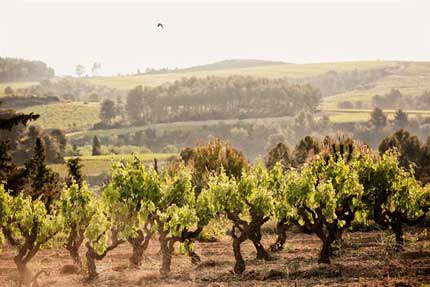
pixel 123 35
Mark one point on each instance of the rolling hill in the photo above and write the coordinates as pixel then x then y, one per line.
pixel 267 71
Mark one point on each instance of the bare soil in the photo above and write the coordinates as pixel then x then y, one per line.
pixel 363 259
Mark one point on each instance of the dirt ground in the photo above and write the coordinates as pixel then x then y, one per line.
pixel 364 259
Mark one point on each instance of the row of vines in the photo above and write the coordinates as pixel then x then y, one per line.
pixel 345 183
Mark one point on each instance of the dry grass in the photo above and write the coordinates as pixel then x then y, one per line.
pixel 364 260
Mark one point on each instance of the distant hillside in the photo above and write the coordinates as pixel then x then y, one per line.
pixel 231 64
pixel 266 71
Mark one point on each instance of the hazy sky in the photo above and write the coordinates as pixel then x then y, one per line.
pixel 123 36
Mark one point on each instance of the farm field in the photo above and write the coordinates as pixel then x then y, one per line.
pixel 274 71
pixel 15 85
pixel 175 125
pixel 363 115
pixel 76 115
pixel 364 260
pixel 94 165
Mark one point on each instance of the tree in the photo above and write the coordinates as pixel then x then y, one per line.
pixel 280 153
pixel 377 119
pixel 135 105
pixel 306 148
pixel 30 219
pixel 407 145
pixel 7 123
pixel 95 68
pixel 108 111
pixel 102 235
pixel 93 97
pixel 97 147
pixel 423 169
pixel 8 91
pixel 80 70
pixel 325 195
pixel 208 159
pixel 28 226
pixel 248 204
pixel 74 166
pixel 392 195
pixel 131 185
pixel 400 120
pixel 41 182
pixel 78 205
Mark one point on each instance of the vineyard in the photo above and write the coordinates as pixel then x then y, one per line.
pixel 213 196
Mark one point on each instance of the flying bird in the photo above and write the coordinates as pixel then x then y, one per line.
pixel 159 25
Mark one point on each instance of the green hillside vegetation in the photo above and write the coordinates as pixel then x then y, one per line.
pixel 68 116
pixel 94 165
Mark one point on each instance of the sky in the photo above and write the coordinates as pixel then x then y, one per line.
pixel 123 35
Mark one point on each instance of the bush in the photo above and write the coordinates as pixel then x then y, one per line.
pixel 169 149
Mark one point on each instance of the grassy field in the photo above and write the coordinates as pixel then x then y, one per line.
pixel 275 71
pixel 15 85
pixel 363 115
pixel 177 125
pixel 94 165
pixel 66 115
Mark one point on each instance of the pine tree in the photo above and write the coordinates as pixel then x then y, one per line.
pixel 74 165
pixel 400 120
pixel 378 119
pixel 42 182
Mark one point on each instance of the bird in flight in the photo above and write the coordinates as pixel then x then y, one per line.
pixel 159 25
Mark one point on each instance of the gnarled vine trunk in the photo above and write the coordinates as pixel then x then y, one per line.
pixel 91 255
pixel 281 231
pixel 242 231
pixel 74 242
pixel 139 244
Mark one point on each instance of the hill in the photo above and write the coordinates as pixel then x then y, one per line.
pixel 231 64
pixel 294 71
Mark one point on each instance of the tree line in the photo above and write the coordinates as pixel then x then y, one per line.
pixel 13 70
pixel 218 98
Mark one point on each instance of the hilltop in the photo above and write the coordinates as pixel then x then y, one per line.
pixel 231 64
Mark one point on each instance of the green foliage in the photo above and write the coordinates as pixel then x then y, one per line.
pixel 324 197
pixel 378 119
pixel 208 159
pixel 407 145
pixel 21 216
pixel 108 111
pixel 280 153
pixel 78 205
pixel 28 226
pixel 392 194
